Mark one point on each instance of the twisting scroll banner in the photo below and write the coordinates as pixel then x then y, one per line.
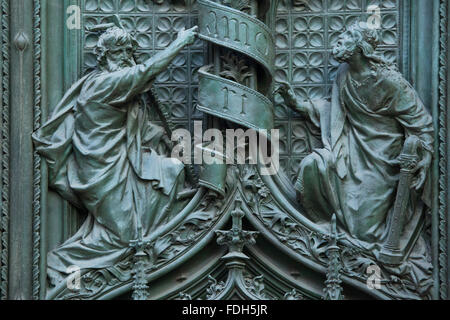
pixel 236 30
pixel 232 101
pixel 230 28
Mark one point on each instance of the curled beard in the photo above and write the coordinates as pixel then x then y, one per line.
pixel 113 66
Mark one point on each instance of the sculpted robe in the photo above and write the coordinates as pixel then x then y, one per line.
pixel 102 155
pixel 354 175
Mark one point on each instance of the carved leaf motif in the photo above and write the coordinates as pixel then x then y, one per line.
pixel 184 296
pixel 355 263
pixel 200 220
pixel 235 68
pixel 222 237
pixel 161 245
pixel 256 285
pixel 294 295
pixel 126 5
pixel 107 5
pixel 277 218
pixel 317 246
pixel 214 288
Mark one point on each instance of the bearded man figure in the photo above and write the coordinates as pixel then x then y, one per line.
pixel 372 111
pixel 105 156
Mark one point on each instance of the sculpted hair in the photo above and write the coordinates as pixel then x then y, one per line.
pixel 112 38
pixel 368 39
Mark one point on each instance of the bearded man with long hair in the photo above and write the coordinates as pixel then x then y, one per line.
pixel 106 157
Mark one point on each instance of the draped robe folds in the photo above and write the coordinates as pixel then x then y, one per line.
pixel 355 176
pixel 102 156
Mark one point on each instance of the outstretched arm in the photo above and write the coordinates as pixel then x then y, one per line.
pixel 160 61
pixel 287 92
pixel 119 87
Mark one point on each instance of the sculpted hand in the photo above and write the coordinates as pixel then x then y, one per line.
pixel 188 36
pixel 421 171
pixel 287 93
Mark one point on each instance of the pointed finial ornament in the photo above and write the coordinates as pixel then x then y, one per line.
pixel 236 238
pixel 333 289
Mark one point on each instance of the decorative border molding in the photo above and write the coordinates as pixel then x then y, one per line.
pixel 36 157
pixel 4 152
pixel 443 145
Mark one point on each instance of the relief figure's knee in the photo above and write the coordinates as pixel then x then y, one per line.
pixel 307 171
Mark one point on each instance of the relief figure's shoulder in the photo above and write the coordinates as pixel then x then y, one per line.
pixel 390 79
pixel 95 86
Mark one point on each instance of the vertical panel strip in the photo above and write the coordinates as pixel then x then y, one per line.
pixel 4 214
pixel 36 157
pixel 443 161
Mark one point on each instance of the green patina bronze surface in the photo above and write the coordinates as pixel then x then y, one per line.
pixel 236 102
pixel 373 110
pixel 358 94
pixel 231 28
pixel 106 158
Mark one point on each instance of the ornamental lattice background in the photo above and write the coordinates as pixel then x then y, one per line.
pixel 304 36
